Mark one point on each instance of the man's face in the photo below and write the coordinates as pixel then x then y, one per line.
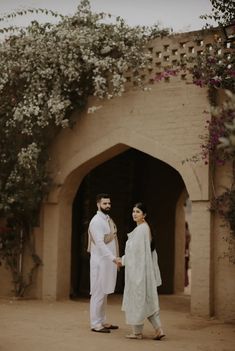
pixel 104 205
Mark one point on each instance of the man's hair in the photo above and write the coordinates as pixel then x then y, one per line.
pixel 102 196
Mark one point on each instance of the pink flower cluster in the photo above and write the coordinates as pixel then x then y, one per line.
pixel 216 129
pixel 166 74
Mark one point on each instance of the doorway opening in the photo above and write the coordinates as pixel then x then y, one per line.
pixel 128 177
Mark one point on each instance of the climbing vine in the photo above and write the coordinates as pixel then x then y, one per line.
pixel 216 70
pixel 47 71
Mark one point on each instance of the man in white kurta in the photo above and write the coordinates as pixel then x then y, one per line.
pixel 103 264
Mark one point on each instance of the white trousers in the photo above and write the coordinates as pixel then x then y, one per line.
pixel 98 303
pixel 154 320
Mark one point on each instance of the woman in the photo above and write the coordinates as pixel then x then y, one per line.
pixel 142 276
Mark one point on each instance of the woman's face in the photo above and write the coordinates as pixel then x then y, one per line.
pixel 138 215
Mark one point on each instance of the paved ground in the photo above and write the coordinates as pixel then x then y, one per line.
pixel 30 325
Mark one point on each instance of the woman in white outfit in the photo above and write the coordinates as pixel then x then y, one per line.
pixel 142 276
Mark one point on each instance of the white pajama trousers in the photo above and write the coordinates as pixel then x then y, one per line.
pixel 98 304
pixel 154 320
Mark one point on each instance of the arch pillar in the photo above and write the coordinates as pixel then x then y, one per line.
pixel 179 273
pixel 50 256
pixel 56 251
pixel 201 259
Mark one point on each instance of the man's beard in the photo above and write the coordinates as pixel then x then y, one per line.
pixel 105 211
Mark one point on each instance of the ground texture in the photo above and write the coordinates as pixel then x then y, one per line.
pixel 32 325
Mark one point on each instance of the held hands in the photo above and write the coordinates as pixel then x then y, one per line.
pixel 118 261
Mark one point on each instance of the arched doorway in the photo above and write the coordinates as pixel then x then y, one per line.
pixel 129 177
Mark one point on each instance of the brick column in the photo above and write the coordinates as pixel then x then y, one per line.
pixel 56 251
pixel 179 274
pixel 201 260
pixel 50 252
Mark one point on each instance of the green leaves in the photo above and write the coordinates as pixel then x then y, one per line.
pixel 46 72
pixel 223 12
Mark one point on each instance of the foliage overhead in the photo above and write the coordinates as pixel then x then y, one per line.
pixel 219 142
pixel 227 140
pixel 223 12
pixel 47 72
pixel 215 69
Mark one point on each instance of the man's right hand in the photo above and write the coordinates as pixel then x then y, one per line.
pixel 118 261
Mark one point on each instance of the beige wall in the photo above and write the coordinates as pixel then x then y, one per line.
pixel 166 123
pixel 201 260
pixel 160 123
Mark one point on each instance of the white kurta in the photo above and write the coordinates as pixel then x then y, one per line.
pixel 142 276
pixel 102 268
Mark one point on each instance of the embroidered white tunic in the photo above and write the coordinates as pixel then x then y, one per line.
pixel 142 276
pixel 102 268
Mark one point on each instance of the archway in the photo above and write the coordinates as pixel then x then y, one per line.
pixel 129 177
pixel 57 213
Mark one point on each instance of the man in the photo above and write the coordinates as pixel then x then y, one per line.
pixel 103 247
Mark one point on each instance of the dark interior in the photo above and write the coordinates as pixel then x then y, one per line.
pixel 129 177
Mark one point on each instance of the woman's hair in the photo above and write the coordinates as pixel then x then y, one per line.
pixel 141 207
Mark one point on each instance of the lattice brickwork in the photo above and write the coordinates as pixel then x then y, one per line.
pixel 179 50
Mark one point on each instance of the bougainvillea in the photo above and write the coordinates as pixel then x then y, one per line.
pixel 46 72
pixel 215 69
pixel 219 144
pixel 224 205
pixel 227 141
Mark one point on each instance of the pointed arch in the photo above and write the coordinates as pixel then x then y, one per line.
pixel 90 156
